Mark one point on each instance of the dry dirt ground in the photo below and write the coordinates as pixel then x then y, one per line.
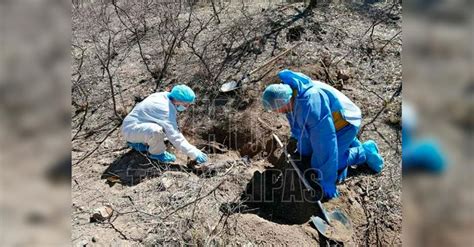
pixel 355 48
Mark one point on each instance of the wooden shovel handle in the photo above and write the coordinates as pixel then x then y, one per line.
pixel 298 171
pixel 274 59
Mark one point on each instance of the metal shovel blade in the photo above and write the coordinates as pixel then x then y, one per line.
pixel 340 228
pixel 229 86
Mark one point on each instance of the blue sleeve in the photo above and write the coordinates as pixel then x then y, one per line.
pixel 322 135
pixel 295 131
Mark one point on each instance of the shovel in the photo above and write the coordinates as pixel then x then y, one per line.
pixel 333 225
pixel 232 85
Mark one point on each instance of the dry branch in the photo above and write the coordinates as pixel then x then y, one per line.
pixel 98 145
pixel 195 200
pixel 385 104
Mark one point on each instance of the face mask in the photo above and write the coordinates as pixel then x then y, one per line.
pixel 180 108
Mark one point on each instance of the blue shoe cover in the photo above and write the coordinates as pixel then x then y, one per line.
pixel 140 147
pixel 164 157
pixel 374 160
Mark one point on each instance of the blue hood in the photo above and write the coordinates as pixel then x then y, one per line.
pixel 298 81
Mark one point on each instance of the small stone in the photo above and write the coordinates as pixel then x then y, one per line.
pixel 94 240
pixel 101 214
pixel 187 236
pixel 167 182
pixel 344 75
pixel 351 200
pixel 82 243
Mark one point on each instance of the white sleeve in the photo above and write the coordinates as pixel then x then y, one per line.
pixel 178 140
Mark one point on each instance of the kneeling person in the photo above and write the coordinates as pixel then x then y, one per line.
pixel 153 119
pixel 325 124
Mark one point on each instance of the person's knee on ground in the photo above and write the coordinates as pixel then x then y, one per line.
pixel 353 156
pixel 156 141
pixel 157 148
pixel 356 143
pixel 138 146
pixel 366 153
pixel 342 175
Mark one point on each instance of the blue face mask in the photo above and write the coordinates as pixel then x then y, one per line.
pixel 181 108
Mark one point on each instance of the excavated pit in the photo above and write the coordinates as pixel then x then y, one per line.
pixel 278 195
pixel 241 132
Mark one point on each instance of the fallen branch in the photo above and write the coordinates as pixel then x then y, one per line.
pixel 390 40
pixel 226 215
pixel 371 91
pixel 83 120
pixel 118 231
pixel 265 125
pixel 386 103
pixel 326 71
pixel 196 200
pixel 98 145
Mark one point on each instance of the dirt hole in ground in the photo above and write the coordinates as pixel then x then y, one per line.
pixel 278 195
pixel 240 132
pixel 295 33
pixel 275 194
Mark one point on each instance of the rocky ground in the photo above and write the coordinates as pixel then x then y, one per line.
pixel 355 48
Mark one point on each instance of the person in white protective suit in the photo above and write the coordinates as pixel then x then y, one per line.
pixel 153 119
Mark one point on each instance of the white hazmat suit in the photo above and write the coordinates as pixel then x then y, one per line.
pixel 151 121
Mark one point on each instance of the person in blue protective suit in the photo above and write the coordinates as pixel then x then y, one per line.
pixel 325 124
pixel 153 119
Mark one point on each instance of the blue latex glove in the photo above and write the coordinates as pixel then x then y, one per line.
pixel 201 158
pixel 164 157
pixel 140 147
pixel 342 175
pixel 330 191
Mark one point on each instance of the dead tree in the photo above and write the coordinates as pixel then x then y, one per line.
pixel 105 62
pixel 137 26
pixel 170 31
pixel 192 43
pixel 103 37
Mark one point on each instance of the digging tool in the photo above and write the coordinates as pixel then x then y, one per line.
pixel 334 225
pixel 232 85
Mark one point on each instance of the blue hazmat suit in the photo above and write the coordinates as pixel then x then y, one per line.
pixel 313 126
